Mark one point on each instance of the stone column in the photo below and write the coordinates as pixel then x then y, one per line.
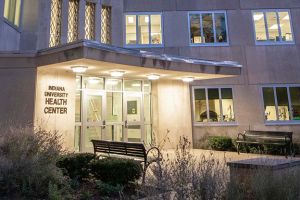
pixel 98 21
pixel 44 25
pixel 81 25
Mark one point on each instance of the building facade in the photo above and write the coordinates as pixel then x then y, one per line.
pixel 150 71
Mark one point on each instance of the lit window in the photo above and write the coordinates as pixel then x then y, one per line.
pixel 106 24
pixel 73 20
pixel 55 23
pixel 90 12
pixel 272 26
pixel 281 103
pixel 208 28
pixel 213 105
pixel 143 29
pixel 12 11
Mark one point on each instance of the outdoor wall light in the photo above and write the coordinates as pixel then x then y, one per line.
pixel 117 73
pixel 153 76
pixel 188 79
pixel 79 69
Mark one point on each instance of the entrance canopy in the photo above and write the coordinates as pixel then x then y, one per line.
pixel 101 59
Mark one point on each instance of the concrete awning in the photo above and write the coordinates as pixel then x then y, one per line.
pixel 101 59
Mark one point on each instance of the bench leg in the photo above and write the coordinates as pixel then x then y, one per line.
pixel 238 148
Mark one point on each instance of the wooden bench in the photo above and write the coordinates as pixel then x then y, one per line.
pixel 283 139
pixel 130 150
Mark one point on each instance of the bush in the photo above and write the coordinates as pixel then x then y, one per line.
pixel 221 143
pixel 116 171
pixel 27 163
pixel 76 165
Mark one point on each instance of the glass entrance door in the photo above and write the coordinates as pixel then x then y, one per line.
pixel 93 122
pixel 133 116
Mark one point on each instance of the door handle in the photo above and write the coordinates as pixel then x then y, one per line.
pixel 103 124
pixel 126 124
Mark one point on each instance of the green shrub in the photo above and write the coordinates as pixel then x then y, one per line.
pixel 108 190
pixel 221 143
pixel 116 171
pixel 76 165
pixel 27 163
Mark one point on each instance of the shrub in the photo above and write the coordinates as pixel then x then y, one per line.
pixel 27 162
pixel 76 165
pixel 221 143
pixel 116 170
pixel 109 190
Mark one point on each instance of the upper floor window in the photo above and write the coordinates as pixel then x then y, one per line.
pixel 12 11
pixel 213 105
pixel 281 103
pixel 90 18
pixel 55 23
pixel 143 29
pixel 106 24
pixel 73 20
pixel 272 27
pixel 208 28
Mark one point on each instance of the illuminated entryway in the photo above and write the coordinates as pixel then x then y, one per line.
pixel 112 109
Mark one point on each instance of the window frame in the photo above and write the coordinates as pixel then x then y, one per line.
pixel 266 27
pixel 137 33
pixel 220 123
pixel 278 122
pixel 17 28
pixel 213 12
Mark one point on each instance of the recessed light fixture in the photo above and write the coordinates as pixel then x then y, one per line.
pixel 94 80
pixel 79 69
pixel 188 79
pixel 112 82
pixel 117 73
pixel 136 85
pixel 153 76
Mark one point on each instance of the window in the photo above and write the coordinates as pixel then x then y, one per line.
pixel 213 105
pixel 12 11
pixel 272 27
pixel 55 23
pixel 73 19
pixel 281 103
pixel 106 24
pixel 143 29
pixel 90 12
pixel 208 28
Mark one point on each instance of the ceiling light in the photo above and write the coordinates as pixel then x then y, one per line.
pixel 117 73
pixel 130 20
pixel 79 69
pixel 112 82
pixel 135 85
pixel 153 76
pixel 257 17
pixel 188 79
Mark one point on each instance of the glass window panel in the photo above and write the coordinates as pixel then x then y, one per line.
pixel 147 108
pixel 143 28
pixel 214 105
pixel 260 28
pixel 78 82
pixel 200 105
pixel 77 138
pixel 92 133
pixel 94 108
pixel 295 101
pixel 207 25
pixel 133 85
pixel 113 84
pixel 285 25
pixel 114 108
pixel 220 23
pixel 134 133
pixel 269 104
pixel 90 20
pixel 12 10
pixel 147 86
pixel 114 132
pixel 227 105
pixel 283 103
pixel 148 134
pixel 130 29
pixel 78 106
pixel 195 29
pixel 156 30
pixel 93 83
pixel 273 28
